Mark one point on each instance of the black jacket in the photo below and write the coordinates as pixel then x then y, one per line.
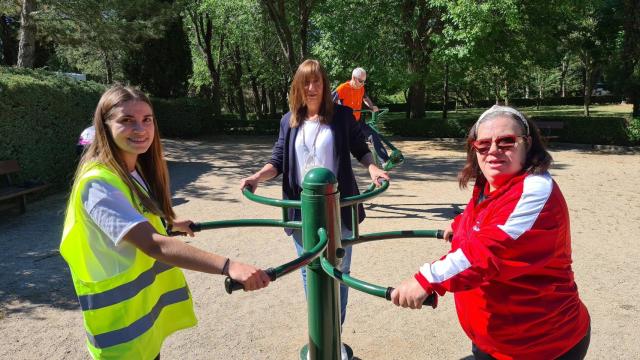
pixel 348 138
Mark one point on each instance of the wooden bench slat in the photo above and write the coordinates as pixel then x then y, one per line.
pixel 10 191
pixel 15 191
pixel 9 166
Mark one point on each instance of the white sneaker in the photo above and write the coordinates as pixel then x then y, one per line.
pixel 343 352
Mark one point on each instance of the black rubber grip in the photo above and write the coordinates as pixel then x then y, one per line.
pixel 195 227
pixel 440 234
pixel 431 300
pixel 231 285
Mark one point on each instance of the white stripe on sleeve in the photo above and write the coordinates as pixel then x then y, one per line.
pixel 535 193
pixel 442 270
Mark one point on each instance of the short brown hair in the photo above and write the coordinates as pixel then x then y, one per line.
pixel 309 69
pixel 538 159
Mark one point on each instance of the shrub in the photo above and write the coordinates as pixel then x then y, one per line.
pixel 590 130
pixel 42 116
pixel 184 117
pixel 576 129
pixel 428 127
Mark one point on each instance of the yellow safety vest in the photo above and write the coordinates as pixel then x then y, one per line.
pixel 129 315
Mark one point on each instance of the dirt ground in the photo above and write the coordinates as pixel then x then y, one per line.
pixel 40 318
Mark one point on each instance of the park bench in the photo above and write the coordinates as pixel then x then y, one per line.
pixel 548 126
pixel 10 191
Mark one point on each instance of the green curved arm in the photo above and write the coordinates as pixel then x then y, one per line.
pixel 246 223
pixel 269 201
pixel 366 195
pixel 304 259
pixel 399 234
pixel 371 289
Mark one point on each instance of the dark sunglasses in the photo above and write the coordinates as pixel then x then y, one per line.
pixel 361 81
pixel 504 143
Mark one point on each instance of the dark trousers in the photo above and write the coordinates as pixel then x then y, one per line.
pixel 577 352
pixel 378 145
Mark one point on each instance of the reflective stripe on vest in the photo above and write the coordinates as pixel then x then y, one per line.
pixel 141 325
pixel 124 291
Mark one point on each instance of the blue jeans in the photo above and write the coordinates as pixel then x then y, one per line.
pixel 374 138
pixel 345 268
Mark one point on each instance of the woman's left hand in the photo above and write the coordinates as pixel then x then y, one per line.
pixel 409 294
pixel 376 173
pixel 183 226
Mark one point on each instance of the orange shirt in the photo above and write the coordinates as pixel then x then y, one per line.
pixel 351 97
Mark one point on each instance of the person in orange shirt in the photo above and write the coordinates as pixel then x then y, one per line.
pixel 352 94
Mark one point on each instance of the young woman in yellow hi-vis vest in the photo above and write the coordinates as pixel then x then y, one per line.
pixel 125 268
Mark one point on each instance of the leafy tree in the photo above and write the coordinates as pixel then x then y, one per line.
pixel 90 32
pixel 161 66
pixel 291 22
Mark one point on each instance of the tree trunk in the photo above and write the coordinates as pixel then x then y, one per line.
pixel 242 108
pixel 526 91
pixel 272 103
pixel 587 90
pixel 108 65
pixel 277 13
pixel 631 53
pixel 257 103
pixel 423 21
pixel 445 92
pixel 506 93
pixel 563 77
pixel 416 100
pixel 283 98
pixel 204 36
pixel 27 45
pixel 304 12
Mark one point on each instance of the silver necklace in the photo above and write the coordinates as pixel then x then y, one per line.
pixel 311 160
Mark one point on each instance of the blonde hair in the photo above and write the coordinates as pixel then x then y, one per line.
pixel 309 70
pixel 150 165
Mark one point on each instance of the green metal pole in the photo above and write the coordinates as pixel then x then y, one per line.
pixel 320 211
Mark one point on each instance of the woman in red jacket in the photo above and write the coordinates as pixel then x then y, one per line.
pixel 510 261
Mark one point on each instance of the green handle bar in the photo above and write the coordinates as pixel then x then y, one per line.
pixel 231 285
pixel 439 234
pixel 207 225
pixel 371 289
pixel 269 201
pixel 368 194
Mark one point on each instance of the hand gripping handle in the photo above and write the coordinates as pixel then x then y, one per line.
pixel 231 285
pixel 431 300
pixel 195 227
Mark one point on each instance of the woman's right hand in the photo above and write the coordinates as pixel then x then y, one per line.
pixel 448 234
pixel 251 181
pixel 251 277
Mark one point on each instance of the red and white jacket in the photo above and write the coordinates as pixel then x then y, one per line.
pixel 510 269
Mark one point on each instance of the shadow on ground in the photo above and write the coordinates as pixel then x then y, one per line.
pixel 32 271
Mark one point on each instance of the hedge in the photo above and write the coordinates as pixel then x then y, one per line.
pixel 43 113
pixel 576 129
pixel 517 102
pixel 42 116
